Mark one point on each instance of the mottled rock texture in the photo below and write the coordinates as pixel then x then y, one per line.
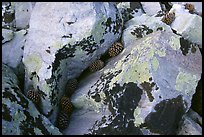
pixel 144 90
pixel 63 40
pixel 19 115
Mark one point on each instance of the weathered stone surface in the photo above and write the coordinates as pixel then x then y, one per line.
pixel 186 24
pixel 140 26
pixel 190 124
pixel 7 35
pixel 144 90
pixel 8 15
pixel 197 5
pixel 63 40
pixel 151 8
pixel 19 115
pixel 197 98
pixel 22 14
pixel 129 9
pixel 12 51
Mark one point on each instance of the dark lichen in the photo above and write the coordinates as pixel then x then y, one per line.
pixel 166 119
pixel 148 87
pixel 139 31
pixel 122 109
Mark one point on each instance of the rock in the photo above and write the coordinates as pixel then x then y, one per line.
pixel 140 26
pixel 12 51
pixel 151 8
pixel 19 115
pixel 190 125
pixel 188 25
pixel 129 9
pixel 7 35
pixel 22 14
pixel 197 5
pixel 8 15
pixel 146 89
pixel 197 98
pixel 62 43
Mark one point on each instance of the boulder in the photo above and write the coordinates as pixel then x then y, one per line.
pixel 146 89
pixel 19 114
pixel 8 15
pixel 186 24
pixel 63 40
pixel 7 35
pixel 22 14
pixel 129 10
pixel 151 8
pixel 140 26
pixel 12 51
pixel 190 124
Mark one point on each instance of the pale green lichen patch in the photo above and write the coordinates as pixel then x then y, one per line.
pixel 33 63
pixel 186 82
pixel 37 131
pixel 138 120
pixel 155 63
pixel 175 43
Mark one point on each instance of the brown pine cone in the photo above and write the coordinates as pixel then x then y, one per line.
pixel 34 96
pixel 63 120
pixel 190 7
pixel 168 18
pixel 71 87
pixel 115 49
pixel 96 65
pixel 66 105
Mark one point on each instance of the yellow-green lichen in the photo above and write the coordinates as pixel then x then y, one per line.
pixel 155 63
pixel 33 63
pixel 37 131
pixel 186 82
pixel 138 120
pixel 175 43
pixel 161 52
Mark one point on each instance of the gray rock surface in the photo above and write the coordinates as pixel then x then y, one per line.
pixel 8 15
pixel 19 115
pixel 12 51
pixel 151 8
pixel 188 25
pixel 191 124
pixel 151 79
pixel 22 14
pixel 63 40
pixel 7 35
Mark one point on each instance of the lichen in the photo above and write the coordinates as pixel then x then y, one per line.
pixel 174 43
pixel 155 63
pixel 186 83
pixel 99 29
pixel 33 63
pixel 138 120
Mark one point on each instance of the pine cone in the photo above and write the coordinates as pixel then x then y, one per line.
pixel 34 96
pixel 115 49
pixel 71 87
pixel 66 105
pixel 96 65
pixel 62 120
pixel 168 18
pixel 190 7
